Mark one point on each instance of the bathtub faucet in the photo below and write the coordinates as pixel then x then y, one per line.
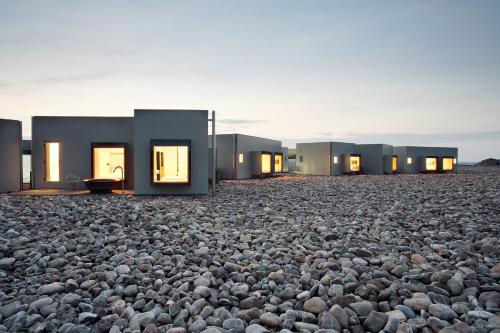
pixel 123 180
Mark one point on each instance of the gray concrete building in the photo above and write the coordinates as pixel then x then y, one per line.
pixel 180 136
pixel 376 159
pixel 11 155
pixel 242 156
pixel 327 158
pixel 413 159
pixel 284 150
pixel 155 152
pixel 337 158
pixel 65 148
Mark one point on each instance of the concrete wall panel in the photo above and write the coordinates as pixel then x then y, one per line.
pixel 314 158
pixel 170 125
pixel 75 135
pixel 10 155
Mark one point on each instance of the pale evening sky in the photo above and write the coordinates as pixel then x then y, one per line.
pixel 396 72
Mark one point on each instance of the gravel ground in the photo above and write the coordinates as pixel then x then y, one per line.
pixel 405 253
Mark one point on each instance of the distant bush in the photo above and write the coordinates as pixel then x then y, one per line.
pixel 291 156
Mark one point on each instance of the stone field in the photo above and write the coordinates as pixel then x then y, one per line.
pixel 404 253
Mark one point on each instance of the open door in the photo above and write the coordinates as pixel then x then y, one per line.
pixel 355 163
pixel 394 163
pixel 448 163
pixel 278 163
pixel 266 159
pixel 52 157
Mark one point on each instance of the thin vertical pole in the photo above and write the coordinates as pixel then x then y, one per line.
pixel 214 153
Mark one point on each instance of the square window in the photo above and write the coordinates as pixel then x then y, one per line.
pixel 408 160
pixel 335 160
pixel 240 158
pixel 171 161
pixel 448 164
pixel 431 163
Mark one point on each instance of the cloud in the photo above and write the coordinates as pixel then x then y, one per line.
pixel 76 78
pixel 61 79
pixel 403 138
pixel 398 139
pixel 240 121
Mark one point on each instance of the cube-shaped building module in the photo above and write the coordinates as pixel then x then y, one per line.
pixel 327 158
pixel 242 156
pixel 412 159
pixel 11 153
pixel 154 152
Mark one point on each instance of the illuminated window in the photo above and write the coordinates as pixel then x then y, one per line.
pixel 240 158
pixel 108 161
pixel 431 163
pixel 448 163
pixel 355 162
pixel 454 161
pixel 266 163
pixel 278 163
pixel 52 153
pixel 171 161
pixel 335 160
pixel 408 160
pixel 394 163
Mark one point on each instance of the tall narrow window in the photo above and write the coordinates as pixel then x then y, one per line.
pixel 171 162
pixel 240 158
pixel 408 160
pixel 278 163
pixel 394 163
pixel 266 163
pixel 355 163
pixel 335 159
pixel 447 163
pixel 52 151
pixel 108 161
pixel 431 163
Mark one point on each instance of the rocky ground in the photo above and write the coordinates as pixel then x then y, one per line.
pixel 414 253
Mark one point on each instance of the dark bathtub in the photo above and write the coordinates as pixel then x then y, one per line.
pixel 101 186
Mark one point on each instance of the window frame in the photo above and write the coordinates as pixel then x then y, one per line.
pixel 168 143
pixel 274 162
pixel 45 142
pixel 452 164
pixel 350 164
pixel 271 169
pixel 437 163
pixel 123 145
